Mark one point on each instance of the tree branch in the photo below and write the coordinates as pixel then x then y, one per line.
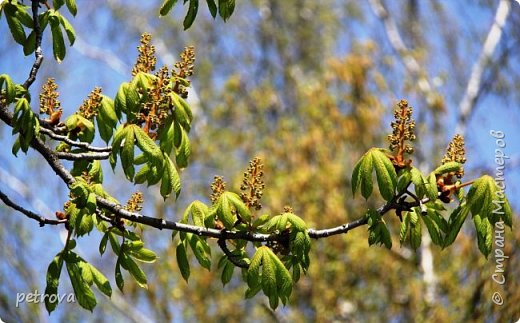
pixel 473 87
pixel 41 219
pixel 73 143
pixel 38 54
pixel 83 156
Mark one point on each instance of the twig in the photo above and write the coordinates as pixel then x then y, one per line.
pixel 235 259
pixel 473 88
pixel 73 143
pixel 82 156
pixel 38 54
pixel 41 219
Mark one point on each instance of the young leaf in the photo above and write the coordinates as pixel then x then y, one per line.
pixel 448 168
pixel 192 13
pixel 135 271
pixel 170 179
pixel 166 7
pixel 84 294
pixel 212 6
pixel 224 212
pixel 239 206
pixel 227 272
pixel 405 228
pixel 182 261
pixel 15 26
pixel 127 153
pixel 69 30
pixel 58 44
pixel 71 5
pixel 101 281
pixel 226 8
pixel 144 255
pixel 484 234
pixel 148 146
pixel 199 248
pixel 433 227
pixel 120 282
pixel 362 176
pixel 103 244
pixel 415 229
pixel 457 218
pixel 53 280
pixel 385 173
pixel 431 187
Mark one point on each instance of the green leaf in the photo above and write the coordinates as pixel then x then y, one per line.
pixel 199 248
pixel 484 234
pixel 224 212
pixel 10 89
pixel 212 6
pixel 127 153
pixel 182 261
pixel 148 146
pixel 53 280
pixel 144 255
pixel 449 167
pixel 170 179
pixel 227 272
pixel 135 271
pixel 226 8
pixel 239 206
pixel 457 218
pixel 23 16
pixel 183 151
pixel 69 30
pixel 198 213
pixel 433 227
pixel 84 294
pixel 415 229
pixel 385 173
pixel 419 182
pixel 120 282
pixel 405 228
pixel 101 281
pixel 431 187
pixel 166 7
pixel 16 27
pixel 71 5
pixel 192 13
pixel 56 4
pixel 362 176
pixel 269 276
pixel 58 43
pixel 103 244
pixel 253 272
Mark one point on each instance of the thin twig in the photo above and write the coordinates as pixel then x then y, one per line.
pixel 73 143
pixel 235 259
pixel 41 219
pixel 38 54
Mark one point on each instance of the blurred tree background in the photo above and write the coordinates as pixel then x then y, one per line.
pixel 308 86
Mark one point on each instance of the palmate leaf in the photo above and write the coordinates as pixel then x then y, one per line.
pixel 485 198
pixel 53 280
pixel 484 234
pixel 374 159
pixel 457 218
pixel 148 147
pixel 170 181
pixel 182 260
pixel 58 43
pixel 7 85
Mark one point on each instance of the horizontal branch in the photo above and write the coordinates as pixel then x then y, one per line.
pixel 41 219
pixel 83 156
pixel 73 143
